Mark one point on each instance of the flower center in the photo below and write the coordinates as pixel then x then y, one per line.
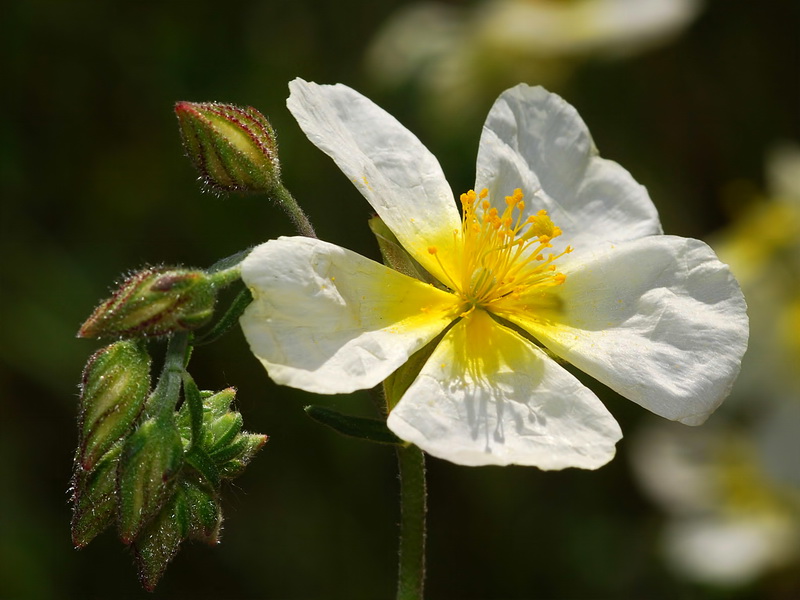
pixel 503 254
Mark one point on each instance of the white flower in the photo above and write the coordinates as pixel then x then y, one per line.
pixel 657 318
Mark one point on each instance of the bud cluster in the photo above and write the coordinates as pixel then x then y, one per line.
pixel 157 477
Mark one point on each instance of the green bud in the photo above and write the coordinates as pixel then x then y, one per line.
pixel 224 430
pixel 246 446
pixel 116 382
pixel 192 512
pixel 95 498
pixel 151 458
pixel 223 444
pixel 205 512
pixel 159 541
pixel 154 301
pixel 234 149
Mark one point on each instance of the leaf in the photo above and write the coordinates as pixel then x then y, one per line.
pixel 372 430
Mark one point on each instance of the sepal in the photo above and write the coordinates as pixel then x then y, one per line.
pixel 395 256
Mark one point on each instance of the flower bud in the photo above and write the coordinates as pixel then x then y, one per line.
pixel 150 461
pixel 158 543
pixel 192 512
pixel 240 452
pixel 223 442
pixel 234 149
pixel 154 301
pixel 95 497
pixel 116 382
pixel 205 512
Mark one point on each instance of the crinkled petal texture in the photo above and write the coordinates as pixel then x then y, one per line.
pixel 327 320
pixel 487 396
pixel 388 164
pixel 660 320
pixel 535 141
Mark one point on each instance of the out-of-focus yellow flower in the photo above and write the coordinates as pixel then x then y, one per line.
pixel 460 55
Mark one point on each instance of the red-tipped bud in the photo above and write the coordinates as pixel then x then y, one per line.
pixel 154 301
pixel 234 149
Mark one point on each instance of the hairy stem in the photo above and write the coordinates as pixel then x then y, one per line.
pixel 293 210
pixel 413 506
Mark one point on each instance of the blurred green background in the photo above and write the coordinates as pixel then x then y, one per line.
pixel 94 183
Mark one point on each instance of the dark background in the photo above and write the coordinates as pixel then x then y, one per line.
pixel 94 183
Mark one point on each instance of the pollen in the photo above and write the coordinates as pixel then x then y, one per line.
pixel 504 253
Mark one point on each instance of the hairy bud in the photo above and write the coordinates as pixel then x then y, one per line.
pixel 154 301
pixel 234 149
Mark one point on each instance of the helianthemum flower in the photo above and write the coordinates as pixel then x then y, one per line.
pixel 557 251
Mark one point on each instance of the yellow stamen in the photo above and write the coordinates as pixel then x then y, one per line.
pixel 502 254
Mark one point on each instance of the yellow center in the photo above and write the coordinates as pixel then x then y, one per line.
pixel 503 255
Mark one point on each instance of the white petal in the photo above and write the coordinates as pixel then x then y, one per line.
pixel 535 141
pixel 327 320
pixel 394 171
pixel 660 320
pixel 487 396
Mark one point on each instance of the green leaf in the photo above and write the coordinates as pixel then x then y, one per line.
pixel 372 430
pixel 228 320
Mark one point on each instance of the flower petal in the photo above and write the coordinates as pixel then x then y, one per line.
pixel 394 171
pixel 535 141
pixel 660 320
pixel 487 396
pixel 327 320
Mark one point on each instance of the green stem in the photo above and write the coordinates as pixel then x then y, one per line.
pixel 225 277
pixel 165 397
pixel 293 210
pixel 411 576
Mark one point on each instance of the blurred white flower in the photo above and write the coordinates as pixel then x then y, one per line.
pixel 762 247
pixel 729 520
pixel 457 54
pixel 732 489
